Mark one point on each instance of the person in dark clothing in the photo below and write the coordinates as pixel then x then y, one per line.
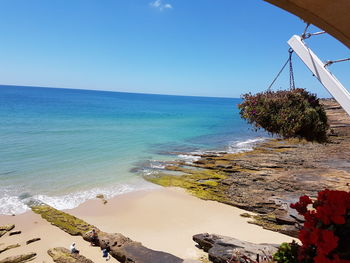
pixel 105 254
pixel 93 237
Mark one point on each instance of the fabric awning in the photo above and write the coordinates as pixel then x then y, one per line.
pixel 333 16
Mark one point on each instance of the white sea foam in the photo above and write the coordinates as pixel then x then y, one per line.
pixel 243 146
pixel 157 165
pixel 146 171
pixel 191 157
pixel 12 204
pixel 233 147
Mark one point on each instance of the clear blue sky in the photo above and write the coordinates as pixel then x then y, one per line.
pixel 189 47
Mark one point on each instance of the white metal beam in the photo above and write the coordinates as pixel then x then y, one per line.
pixel 318 68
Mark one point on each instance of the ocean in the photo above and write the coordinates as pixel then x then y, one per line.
pixel 65 146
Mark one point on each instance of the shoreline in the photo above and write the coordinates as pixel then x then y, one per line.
pixel 162 219
pixel 135 184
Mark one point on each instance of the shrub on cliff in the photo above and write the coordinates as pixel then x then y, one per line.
pixel 288 113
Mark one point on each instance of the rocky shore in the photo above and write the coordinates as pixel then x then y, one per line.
pixel 271 176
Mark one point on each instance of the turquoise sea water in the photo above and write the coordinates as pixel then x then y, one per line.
pixel 65 146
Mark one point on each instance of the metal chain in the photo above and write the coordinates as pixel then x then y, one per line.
pixel 291 73
pixel 291 76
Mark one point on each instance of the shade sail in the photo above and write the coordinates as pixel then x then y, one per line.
pixel 333 16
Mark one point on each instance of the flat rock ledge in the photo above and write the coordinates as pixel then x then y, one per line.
pixel 221 249
pixel 20 258
pixel 63 255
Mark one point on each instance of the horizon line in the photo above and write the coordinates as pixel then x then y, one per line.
pixel 115 91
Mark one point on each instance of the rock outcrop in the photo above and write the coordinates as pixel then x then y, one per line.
pixel 126 250
pixel 19 258
pixel 222 249
pixel 63 255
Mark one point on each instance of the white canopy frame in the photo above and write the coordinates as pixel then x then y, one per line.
pixel 320 71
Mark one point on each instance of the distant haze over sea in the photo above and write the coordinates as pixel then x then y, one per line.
pixel 64 146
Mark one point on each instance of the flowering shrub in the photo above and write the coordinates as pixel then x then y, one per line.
pixel 288 113
pixel 325 236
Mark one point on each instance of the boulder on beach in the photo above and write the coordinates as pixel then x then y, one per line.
pixel 221 249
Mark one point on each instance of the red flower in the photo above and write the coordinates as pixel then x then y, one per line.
pixel 318 236
pixel 301 206
pixel 326 242
pixel 322 259
pixel 331 206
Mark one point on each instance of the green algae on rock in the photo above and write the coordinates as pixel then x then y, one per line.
pixel 68 223
pixel 204 184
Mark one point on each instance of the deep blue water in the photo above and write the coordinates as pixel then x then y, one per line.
pixel 64 146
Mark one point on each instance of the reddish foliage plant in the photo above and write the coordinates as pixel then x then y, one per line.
pixel 325 236
pixel 287 113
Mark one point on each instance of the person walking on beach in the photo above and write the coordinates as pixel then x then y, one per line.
pixel 105 254
pixel 73 249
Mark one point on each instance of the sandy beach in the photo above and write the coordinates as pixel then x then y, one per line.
pixel 163 219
